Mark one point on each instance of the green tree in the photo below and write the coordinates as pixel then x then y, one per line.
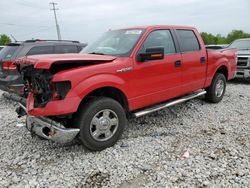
pixel 237 34
pixel 220 39
pixel 4 39
pixel 208 38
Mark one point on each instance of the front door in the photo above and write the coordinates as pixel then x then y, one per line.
pixel 157 80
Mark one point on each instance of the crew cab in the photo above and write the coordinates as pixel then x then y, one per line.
pixel 126 73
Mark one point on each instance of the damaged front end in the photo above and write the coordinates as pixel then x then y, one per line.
pixel 38 86
pixel 51 130
pixel 51 103
pixel 37 82
pixel 48 128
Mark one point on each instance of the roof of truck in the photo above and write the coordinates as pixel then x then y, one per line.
pixel 160 26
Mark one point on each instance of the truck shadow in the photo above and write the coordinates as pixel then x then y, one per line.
pixel 165 122
pixel 160 123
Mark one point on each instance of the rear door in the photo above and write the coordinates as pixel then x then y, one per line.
pixel 193 61
pixel 157 80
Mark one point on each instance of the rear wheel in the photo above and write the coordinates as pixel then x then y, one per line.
pixel 217 89
pixel 101 122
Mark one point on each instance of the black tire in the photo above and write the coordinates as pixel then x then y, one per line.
pixel 84 118
pixel 211 95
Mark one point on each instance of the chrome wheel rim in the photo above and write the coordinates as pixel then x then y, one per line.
pixel 104 125
pixel 219 88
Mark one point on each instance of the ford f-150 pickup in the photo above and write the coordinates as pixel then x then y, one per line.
pixel 126 73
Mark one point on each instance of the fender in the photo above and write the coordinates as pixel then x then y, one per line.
pixel 98 81
pixel 213 68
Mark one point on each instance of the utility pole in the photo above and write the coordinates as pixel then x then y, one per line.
pixel 57 25
pixel 13 38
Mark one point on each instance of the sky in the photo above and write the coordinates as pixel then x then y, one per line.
pixel 85 21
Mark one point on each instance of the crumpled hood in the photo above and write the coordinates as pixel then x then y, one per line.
pixel 45 61
pixel 243 52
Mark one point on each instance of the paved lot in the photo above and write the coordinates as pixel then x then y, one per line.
pixel 216 137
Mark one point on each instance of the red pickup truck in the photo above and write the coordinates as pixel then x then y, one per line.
pixel 126 73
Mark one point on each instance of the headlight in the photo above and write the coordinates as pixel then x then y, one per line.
pixel 60 89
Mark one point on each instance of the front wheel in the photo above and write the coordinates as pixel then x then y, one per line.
pixel 217 89
pixel 101 121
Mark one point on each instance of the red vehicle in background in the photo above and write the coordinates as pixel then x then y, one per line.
pixel 126 73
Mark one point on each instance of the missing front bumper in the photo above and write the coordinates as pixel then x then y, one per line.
pixel 51 130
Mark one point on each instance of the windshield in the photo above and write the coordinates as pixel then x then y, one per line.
pixel 116 43
pixel 241 44
pixel 7 52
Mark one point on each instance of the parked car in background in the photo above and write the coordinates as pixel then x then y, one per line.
pixel 10 79
pixel 1 47
pixel 243 57
pixel 126 73
pixel 216 46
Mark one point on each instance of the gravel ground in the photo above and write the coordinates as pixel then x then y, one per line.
pixel 216 137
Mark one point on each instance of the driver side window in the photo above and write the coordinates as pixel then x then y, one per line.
pixel 159 38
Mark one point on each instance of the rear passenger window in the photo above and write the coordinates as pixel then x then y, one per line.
pixel 63 49
pixel 188 41
pixel 41 50
pixel 160 38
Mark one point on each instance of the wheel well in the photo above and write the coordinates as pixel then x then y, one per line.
pixel 223 70
pixel 110 92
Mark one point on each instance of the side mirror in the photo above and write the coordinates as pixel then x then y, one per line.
pixel 155 53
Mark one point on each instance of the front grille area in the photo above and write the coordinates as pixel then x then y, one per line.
pixel 242 61
pixel 38 83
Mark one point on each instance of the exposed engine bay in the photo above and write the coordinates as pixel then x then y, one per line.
pixel 38 83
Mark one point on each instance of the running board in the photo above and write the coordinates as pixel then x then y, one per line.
pixel 171 103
